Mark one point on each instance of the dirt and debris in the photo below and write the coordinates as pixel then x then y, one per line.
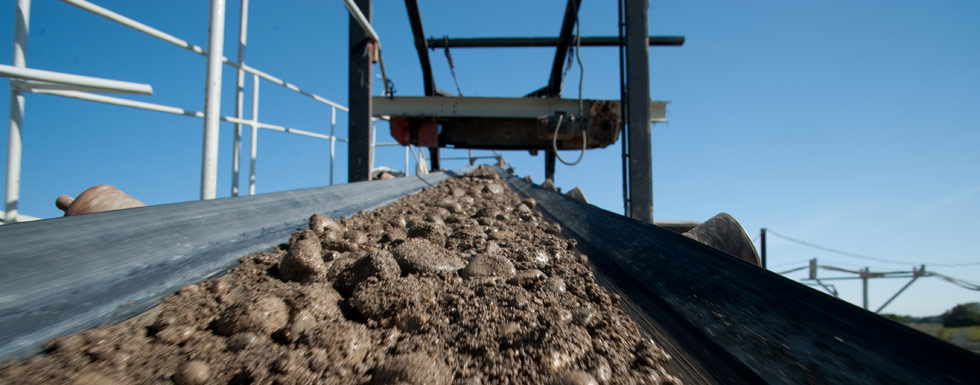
pixel 463 283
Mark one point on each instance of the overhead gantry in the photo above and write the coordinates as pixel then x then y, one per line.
pixel 540 121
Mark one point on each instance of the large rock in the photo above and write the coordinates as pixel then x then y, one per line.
pixel 724 233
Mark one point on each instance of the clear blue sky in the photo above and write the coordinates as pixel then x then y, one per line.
pixel 854 125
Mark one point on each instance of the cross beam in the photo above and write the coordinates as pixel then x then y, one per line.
pixel 518 42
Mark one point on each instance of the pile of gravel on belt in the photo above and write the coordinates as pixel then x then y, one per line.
pixel 463 283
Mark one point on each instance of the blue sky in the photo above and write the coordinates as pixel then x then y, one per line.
pixel 852 125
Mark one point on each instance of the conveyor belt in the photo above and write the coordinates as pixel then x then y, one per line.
pixel 728 322
pixel 63 275
pixel 723 320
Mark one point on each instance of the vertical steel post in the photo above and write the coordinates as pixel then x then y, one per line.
pixel 864 285
pixel 638 119
pixel 212 100
pixel 359 152
pixel 549 165
pixel 763 247
pixel 435 159
pixel 239 98
pixel 255 134
pixel 14 145
pixel 333 140
pixel 406 161
pixel 374 131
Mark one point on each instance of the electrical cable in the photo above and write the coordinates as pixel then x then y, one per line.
pixel 956 281
pixel 389 85
pixel 581 78
pixel 452 68
pixel 554 144
pixel 859 256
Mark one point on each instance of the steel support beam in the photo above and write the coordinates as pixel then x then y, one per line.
pixel 518 42
pixel 360 152
pixel 477 107
pixel 554 81
pixel 421 46
pixel 561 49
pixel 638 113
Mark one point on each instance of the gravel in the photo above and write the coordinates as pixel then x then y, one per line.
pixel 463 283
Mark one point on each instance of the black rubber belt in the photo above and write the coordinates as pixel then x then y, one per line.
pixel 63 275
pixel 729 322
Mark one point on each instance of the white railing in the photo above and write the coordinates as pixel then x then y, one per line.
pixel 25 80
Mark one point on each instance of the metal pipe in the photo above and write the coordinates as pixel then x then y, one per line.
pixel 897 293
pixel 333 141
pixel 517 42
pixel 140 27
pixel 31 85
pixel 212 100
pixel 18 72
pixel 255 135
pixel 356 13
pixel 406 161
pixel 180 111
pixel 14 145
pixel 239 97
pixel 20 218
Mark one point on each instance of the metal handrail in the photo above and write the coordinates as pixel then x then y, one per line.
pixel 66 87
pixel 135 25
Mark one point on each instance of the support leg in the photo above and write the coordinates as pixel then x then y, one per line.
pixel 434 158
pixel 638 89
pixel 549 165
pixel 359 97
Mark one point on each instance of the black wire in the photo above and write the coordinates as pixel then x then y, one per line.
pixel 845 253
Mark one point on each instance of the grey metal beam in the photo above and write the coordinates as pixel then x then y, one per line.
pixel 359 98
pixel 561 49
pixel 65 275
pixel 476 107
pixel 421 46
pixel 638 119
pixel 517 42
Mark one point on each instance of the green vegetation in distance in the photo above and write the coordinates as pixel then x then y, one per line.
pixel 959 325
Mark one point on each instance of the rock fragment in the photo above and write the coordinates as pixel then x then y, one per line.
pixel 412 369
pixel 303 262
pixel 266 315
pixel 421 256
pixel 380 264
pixel 575 377
pixel 489 265
pixel 321 223
pixel 493 188
pixel 527 278
pixel 194 372
pixel 342 341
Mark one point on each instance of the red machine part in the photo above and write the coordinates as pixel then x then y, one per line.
pixel 427 134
